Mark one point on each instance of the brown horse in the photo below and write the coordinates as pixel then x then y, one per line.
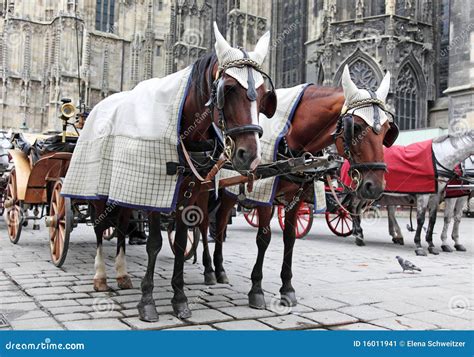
pixel 317 123
pixel 226 90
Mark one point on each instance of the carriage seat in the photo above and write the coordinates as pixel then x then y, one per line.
pixel 43 145
pixel 52 144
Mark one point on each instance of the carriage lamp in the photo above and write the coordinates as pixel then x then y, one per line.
pixel 67 111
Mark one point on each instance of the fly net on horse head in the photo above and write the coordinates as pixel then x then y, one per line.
pixel 364 127
pixel 130 137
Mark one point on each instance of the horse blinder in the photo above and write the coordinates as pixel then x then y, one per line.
pixel 391 135
pixel 268 104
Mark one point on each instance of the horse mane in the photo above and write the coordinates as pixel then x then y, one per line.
pixel 457 135
pixel 441 138
pixel 323 91
pixel 200 86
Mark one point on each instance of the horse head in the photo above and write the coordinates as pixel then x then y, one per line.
pixel 238 96
pixel 363 129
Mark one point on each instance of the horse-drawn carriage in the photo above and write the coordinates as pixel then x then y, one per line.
pixel 34 184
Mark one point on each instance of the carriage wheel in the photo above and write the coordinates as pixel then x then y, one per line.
pixel 251 216
pixel 60 225
pixel 304 219
pixel 340 223
pixel 194 235
pixel 14 213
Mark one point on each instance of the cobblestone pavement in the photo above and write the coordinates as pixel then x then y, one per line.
pixel 339 285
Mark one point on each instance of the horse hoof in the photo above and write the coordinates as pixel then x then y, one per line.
pixel 398 241
pixel 288 299
pixel 222 278
pixel 360 242
pixel 210 278
pixel 447 248
pixel 181 310
pixel 433 250
pixel 460 247
pixel 257 301
pixel 420 252
pixel 124 282
pixel 147 313
pixel 100 285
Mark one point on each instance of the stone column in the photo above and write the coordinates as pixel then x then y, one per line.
pixel 390 7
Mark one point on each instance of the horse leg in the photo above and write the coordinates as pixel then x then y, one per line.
pixel 146 307
pixel 101 223
pixel 209 274
pixel 448 215
pixel 460 203
pixel 433 209
pixel 393 227
pixel 123 279
pixel 422 203
pixel 287 292
pixel 264 235
pixel 358 233
pixel 222 218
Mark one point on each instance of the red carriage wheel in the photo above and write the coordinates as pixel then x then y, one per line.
pixel 304 219
pixel 251 216
pixel 340 222
pixel 60 223
pixel 14 213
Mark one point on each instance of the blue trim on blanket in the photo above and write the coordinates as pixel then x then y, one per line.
pixel 119 203
pixel 275 150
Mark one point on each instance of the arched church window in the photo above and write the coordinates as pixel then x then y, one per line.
pixel 363 75
pixel 104 15
pixel 406 99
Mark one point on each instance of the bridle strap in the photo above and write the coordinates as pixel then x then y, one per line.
pixel 377 127
pixel 250 128
pixel 251 92
pixel 369 166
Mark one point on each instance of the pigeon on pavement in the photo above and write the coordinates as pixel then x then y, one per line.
pixel 407 265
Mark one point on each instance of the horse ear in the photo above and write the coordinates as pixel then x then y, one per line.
pixel 384 87
pixel 261 48
pixel 221 45
pixel 349 87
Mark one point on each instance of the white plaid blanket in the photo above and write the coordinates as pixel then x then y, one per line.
pixel 274 130
pixel 128 138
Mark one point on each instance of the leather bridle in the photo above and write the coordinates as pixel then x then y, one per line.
pixel 345 130
pixel 216 101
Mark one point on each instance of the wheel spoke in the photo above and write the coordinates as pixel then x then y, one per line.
pixel 333 219
pixel 347 224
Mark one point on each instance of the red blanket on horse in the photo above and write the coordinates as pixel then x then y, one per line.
pixel 410 169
